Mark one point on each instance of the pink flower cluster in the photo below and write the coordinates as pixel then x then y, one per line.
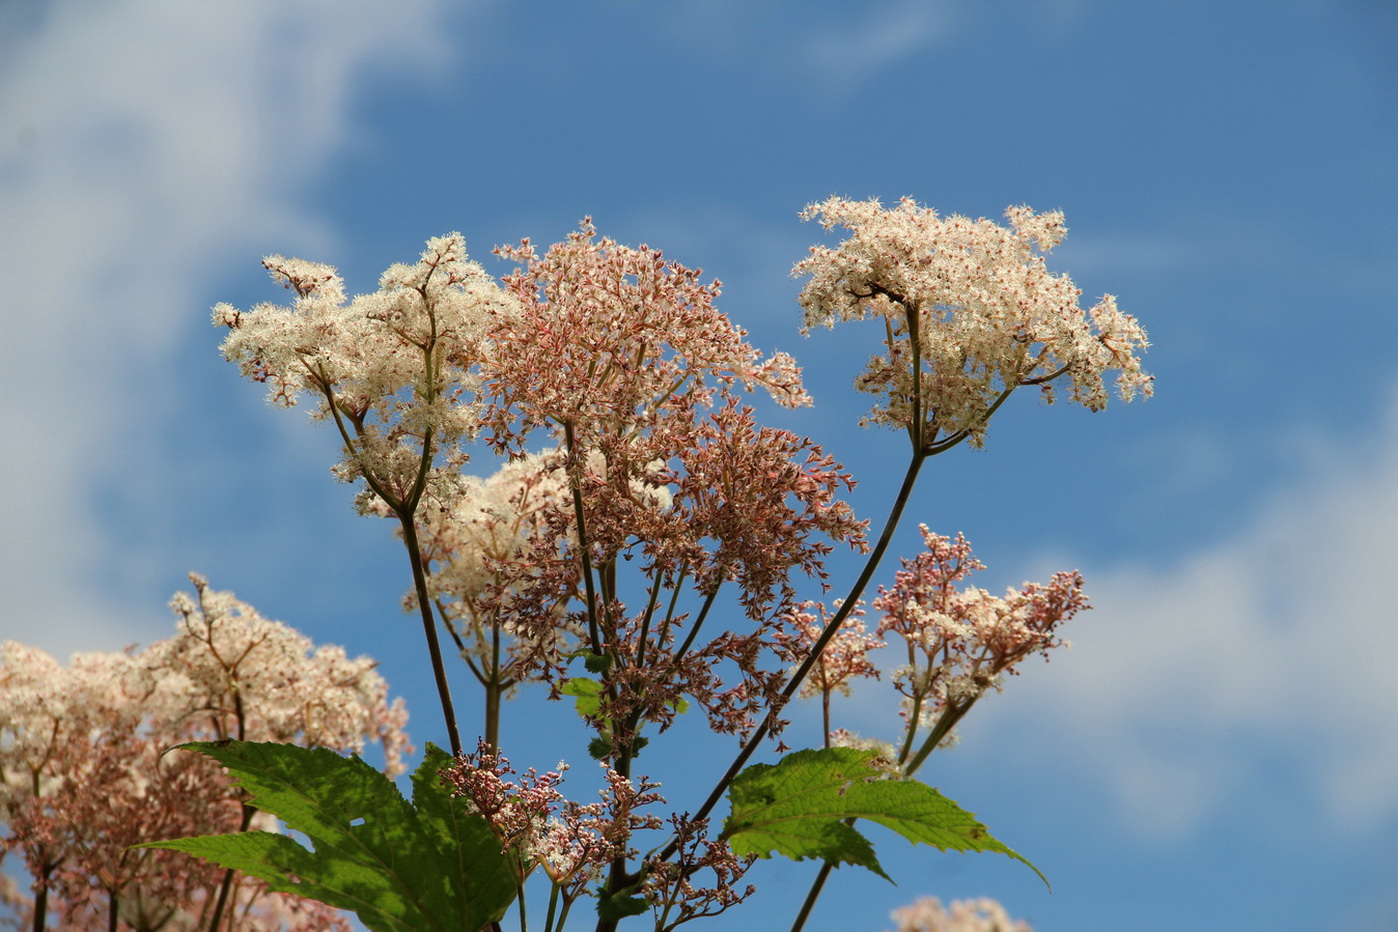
pixel 960 640
pixel 84 773
pixel 669 884
pixel 981 915
pixel 573 843
pixel 844 660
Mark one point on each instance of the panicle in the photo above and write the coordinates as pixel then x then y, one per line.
pixel 972 313
pixel 962 639
pixel 619 341
pixel 676 897
pixel 979 915
pixel 844 660
pixel 574 843
pixel 397 370
pixel 84 773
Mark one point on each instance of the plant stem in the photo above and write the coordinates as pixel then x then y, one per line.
pixel 429 628
pixel 240 726
pixel 553 907
pixel 41 898
pixel 593 631
pixel 948 720
pixel 831 628
pixel 811 897
pixel 225 889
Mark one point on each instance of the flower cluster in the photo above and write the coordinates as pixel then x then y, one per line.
pixel 982 915
pixel 961 641
pixel 970 313
pixel 396 369
pixel 844 660
pixel 669 884
pixel 573 843
pixel 493 547
pixel 84 773
pixel 618 345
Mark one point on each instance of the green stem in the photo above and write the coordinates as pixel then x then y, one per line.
pixel 913 715
pixel 811 897
pixel 404 508
pixel 948 720
pixel 563 916
pixel 698 623
pixel 651 601
pixel 553 907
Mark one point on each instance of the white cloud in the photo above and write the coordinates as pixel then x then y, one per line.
pixel 869 39
pixel 140 141
pixel 1261 663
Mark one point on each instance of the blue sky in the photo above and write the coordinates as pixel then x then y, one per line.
pixel 1219 750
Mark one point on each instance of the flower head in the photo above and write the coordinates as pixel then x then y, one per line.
pixel 620 342
pixel 84 772
pixel 982 915
pixel 971 312
pixel 961 640
pixel 397 370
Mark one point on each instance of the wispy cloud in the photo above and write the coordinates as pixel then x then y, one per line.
pixel 1262 661
pixel 869 39
pixel 140 141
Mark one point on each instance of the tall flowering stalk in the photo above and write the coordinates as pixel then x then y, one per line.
pixel 637 490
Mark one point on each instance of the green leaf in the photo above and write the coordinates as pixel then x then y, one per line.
pixel 401 867
pixel 587 693
pixel 596 663
pixel 798 808
pixel 613 907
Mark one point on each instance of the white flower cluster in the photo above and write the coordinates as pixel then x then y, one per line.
pixel 393 368
pixel 971 313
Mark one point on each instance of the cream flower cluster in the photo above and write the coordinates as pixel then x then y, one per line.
pixel 971 312
pixel 397 369
pixel 84 771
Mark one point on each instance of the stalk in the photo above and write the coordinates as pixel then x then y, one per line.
pixel 831 628
pixel 239 716
pixel 41 898
pixel 811 897
pixel 429 628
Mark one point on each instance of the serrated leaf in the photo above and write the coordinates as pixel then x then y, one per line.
pixel 586 693
pixel 615 907
pixel 483 875
pixel 798 808
pixel 399 867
